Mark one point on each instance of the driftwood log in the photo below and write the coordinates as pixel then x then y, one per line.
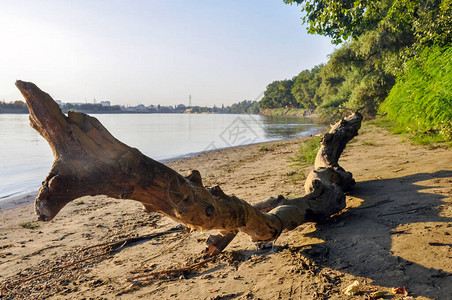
pixel 90 161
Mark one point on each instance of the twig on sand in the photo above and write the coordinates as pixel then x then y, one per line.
pixel 439 244
pixel 40 251
pixel 106 249
pixel 403 211
pixel 169 272
pixel 376 204
pixel 56 269
pixel 127 241
pixel 166 249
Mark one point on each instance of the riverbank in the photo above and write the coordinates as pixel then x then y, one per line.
pixel 394 232
pixel 287 111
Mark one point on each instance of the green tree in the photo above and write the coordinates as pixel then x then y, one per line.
pixel 245 107
pixel 379 39
pixel 342 19
pixel 422 23
pixel 305 86
pixel 19 104
pixel 431 24
pixel 358 73
pixel 278 94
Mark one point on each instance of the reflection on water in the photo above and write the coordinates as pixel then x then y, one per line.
pixel 286 127
pixel 27 159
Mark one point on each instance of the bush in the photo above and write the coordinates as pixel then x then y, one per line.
pixel 421 100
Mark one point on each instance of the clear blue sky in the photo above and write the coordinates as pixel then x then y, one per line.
pixel 153 52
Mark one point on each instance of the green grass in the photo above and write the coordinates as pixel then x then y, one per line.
pixel 29 225
pixel 384 123
pixel 272 147
pixel 307 152
pixel 305 156
pixel 431 138
pixel 296 176
pixel 421 100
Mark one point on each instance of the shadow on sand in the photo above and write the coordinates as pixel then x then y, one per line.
pixel 360 241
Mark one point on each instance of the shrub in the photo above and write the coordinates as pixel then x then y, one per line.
pixel 421 100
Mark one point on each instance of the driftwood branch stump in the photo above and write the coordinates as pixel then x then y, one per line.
pixel 90 161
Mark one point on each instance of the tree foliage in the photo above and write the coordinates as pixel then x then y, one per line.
pixel 427 22
pixel 17 106
pixel 400 48
pixel 244 107
pixel 378 38
pixel 433 27
pixel 278 94
pixel 305 87
pixel 342 19
pixel 358 75
pixel 90 108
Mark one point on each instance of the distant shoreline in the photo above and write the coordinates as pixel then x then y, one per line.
pixel 289 112
pixel 17 199
pixel 22 112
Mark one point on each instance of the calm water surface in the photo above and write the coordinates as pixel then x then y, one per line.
pixel 26 157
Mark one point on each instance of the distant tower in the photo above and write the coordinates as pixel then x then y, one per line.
pixel 189 100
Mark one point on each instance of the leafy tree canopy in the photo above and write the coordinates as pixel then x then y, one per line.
pixel 381 40
pixel 278 94
pixel 341 19
pixel 428 22
pixel 305 87
pixel 245 107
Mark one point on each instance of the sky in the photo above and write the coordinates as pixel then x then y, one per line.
pixel 153 51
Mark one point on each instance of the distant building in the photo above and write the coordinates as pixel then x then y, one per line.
pixel 105 103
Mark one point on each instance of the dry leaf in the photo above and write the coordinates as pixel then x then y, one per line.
pixel 377 294
pixel 352 289
pixel 400 290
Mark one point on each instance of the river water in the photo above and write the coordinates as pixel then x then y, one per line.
pixel 26 157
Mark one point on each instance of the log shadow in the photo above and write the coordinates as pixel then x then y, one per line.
pixel 361 240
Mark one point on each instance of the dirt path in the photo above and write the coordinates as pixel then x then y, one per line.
pixel 396 231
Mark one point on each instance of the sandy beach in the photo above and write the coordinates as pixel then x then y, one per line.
pixel 396 231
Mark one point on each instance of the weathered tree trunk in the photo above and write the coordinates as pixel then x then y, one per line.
pixel 90 161
pixel 323 186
